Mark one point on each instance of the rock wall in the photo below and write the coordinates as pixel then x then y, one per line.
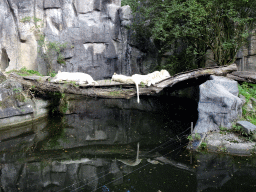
pixel 245 58
pixel 95 33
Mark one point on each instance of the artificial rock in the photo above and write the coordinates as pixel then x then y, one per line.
pixel 219 104
pixel 94 32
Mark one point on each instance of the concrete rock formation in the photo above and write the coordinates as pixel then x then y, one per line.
pixel 94 31
pixel 219 104
pixel 16 106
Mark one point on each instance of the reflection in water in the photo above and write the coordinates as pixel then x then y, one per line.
pixel 131 162
pixel 94 148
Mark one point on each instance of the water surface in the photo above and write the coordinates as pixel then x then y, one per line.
pixel 94 148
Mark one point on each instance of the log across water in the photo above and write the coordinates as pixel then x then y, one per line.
pixel 111 89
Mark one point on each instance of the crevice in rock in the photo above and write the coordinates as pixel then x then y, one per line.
pixel 19 176
pixel 25 134
pixel 4 60
pixel 74 7
pixel 14 17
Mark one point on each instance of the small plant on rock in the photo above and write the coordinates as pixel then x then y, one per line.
pixel 203 146
pixel 197 136
pixel 25 19
pixel 190 138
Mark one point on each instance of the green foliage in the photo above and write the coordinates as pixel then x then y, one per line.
pixel 52 48
pixel 57 47
pixel 197 136
pixel 203 146
pixel 222 149
pixel 53 74
pixel 223 129
pixel 190 138
pixel 248 90
pixel 236 128
pixel 58 105
pixel 74 83
pixel 57 133
pixel 28 19
pixel 36 19
pixel 142 84
pixel 25 19
pixel 187 29
pixel 25 72
pixel 115 93
pixel 63 107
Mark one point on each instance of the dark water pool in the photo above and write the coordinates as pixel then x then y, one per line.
pixel 95 148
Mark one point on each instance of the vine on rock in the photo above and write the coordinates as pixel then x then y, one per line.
pixel 47 49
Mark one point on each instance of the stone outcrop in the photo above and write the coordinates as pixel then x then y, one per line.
pixel 247 127
pixel 16 106
pixel 246 57
pixel 95 34
pixel 219 104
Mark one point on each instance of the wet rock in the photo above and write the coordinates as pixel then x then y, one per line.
pixel 72 181
pixel 46 174
pixel 16 106
pixel 88 175
pixel 58 179
pixel 247 127
pixel 58 167
pixel 115 171
pixel 228 143
pixel 2 77
pixel 9 176
pixel 30 178
pixel 219 104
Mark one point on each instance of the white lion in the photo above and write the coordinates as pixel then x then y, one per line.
pixel 122 78
pixel 78 77
pixel 149 79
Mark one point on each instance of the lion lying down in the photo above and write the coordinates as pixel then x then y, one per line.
pixel 149 79
pixel 78 77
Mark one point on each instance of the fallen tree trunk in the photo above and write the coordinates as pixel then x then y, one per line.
pixel 110 89
pixel 243 76
pixel 195 74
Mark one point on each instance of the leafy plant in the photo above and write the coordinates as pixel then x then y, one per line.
pixel 25 72
pixel 25 19
pixel 142 84
pixel 203 145
pixel 53 74
pixel 248 90
pixel 187 29
pixel 222 149
pixel 197 136
pixel 57 47
pixel 52 48
pixel 74 83
pixel 17 90
pixel 190 138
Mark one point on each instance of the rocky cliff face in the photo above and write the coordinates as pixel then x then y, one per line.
pixel 94 32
